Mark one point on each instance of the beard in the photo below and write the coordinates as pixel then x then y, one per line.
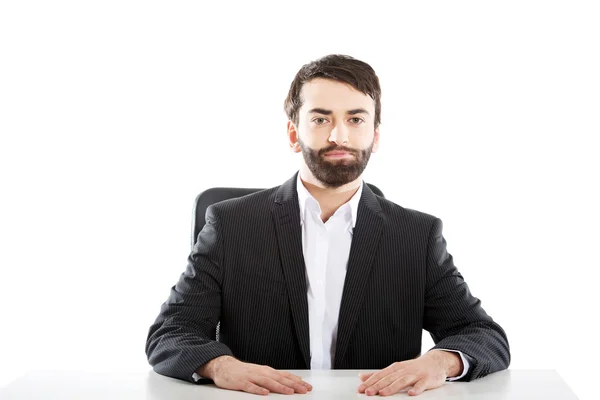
pixel 336 173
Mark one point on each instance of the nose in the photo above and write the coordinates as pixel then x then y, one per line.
pixel 339 134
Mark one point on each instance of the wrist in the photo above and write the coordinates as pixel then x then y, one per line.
pixel 449 361
pixel 210 369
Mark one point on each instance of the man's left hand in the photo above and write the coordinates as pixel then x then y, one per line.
pixel 426 372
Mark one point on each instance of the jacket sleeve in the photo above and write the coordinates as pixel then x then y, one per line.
pixel 455 318
pixel 182 338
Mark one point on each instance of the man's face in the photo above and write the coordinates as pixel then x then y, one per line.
pixel 335 131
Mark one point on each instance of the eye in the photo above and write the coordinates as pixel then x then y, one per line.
pixel 320 120
pixel 356 120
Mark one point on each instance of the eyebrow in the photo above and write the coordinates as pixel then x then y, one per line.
pixel 323 111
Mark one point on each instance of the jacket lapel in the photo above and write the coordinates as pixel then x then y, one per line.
pixel 286 217
pixel 365 240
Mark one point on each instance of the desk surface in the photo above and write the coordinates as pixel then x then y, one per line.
pixel 330 385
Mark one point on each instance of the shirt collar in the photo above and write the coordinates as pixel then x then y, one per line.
pixel 307 201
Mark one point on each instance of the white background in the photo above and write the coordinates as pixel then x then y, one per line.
pixel 114 115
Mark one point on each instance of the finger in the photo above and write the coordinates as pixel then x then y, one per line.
pixel 275 374
pixel 296 378
pixel 419 388
pixel 250 387
pixel 291 380
pixel 272 385
pixel 399 384
pixel 377 376
pixel 364 376
pixel 298 387
pixel 370 381
pixel 381 384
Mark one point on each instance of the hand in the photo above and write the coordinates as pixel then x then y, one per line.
pixel 426 372
pixel 230 373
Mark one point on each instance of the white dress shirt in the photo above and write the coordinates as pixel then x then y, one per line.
pixel 326 248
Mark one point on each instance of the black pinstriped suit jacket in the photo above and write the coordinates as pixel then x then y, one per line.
pixel 247 271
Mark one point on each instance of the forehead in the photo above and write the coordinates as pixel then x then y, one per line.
pixel 334 95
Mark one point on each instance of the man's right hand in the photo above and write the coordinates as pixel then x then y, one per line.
pixel 230 373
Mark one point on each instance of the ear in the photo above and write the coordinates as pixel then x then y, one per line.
pixel 293 137
pixel 375 140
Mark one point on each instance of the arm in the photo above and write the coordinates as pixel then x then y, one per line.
pixel 182 339
pixel 455 318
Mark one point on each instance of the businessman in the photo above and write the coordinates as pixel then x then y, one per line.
pixel 321 273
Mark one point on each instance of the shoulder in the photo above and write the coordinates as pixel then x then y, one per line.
pixel 399 216
pixel 244 206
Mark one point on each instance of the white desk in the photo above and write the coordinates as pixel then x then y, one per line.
pixel 327 385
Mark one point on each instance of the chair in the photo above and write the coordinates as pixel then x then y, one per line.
pixel 214 195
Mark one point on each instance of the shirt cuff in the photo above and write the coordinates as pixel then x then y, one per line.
pixel 465 365
pixel 196 377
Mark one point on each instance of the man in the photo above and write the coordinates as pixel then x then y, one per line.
pixel 321 273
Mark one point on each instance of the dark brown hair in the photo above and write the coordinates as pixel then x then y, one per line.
pixel 338 67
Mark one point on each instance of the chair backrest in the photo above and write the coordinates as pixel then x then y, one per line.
pixel 217 194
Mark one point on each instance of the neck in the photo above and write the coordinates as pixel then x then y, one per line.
pixel 329 199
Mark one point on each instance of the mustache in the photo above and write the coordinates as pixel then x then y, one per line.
pixel 337 148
